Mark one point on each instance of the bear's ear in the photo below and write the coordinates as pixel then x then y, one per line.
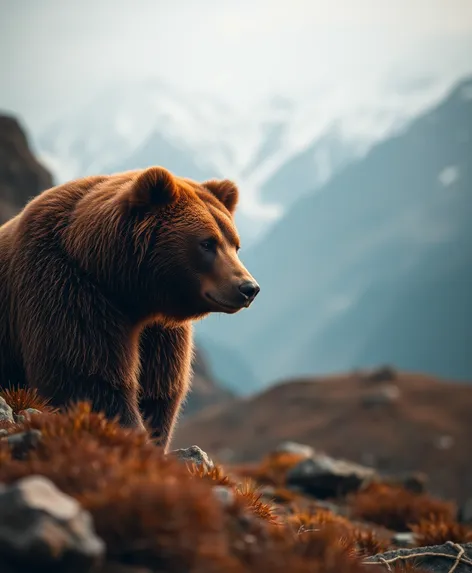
pixel 154 186
pixel 224 190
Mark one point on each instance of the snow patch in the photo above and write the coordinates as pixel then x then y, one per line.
pixel 449 175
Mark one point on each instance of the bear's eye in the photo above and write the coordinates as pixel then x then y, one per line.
pixel 209 245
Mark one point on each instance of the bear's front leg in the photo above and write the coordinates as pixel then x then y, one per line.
pixel 105 375
pixel 114 398
pixel 166 357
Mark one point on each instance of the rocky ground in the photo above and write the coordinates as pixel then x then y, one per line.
pixel 80 494
pixel 389 419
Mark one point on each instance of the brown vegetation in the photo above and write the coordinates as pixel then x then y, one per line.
pixel 154 511
pixel 398 508
pixel 151 511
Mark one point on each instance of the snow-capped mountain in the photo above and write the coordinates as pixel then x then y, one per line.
pixel 276 150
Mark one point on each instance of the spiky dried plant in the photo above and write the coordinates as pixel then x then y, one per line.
pixel 397 508
pixel 250 496
pixel 23 398
pixel 437 530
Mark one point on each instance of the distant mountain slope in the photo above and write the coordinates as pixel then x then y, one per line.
pixel 204 390
pixel 374 267
pixel 240 379
pixel 309 169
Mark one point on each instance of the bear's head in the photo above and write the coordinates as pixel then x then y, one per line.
pixel 171 245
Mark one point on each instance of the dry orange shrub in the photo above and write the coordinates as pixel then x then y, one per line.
pixel 152 512
pixel 397 508
pixel 436 531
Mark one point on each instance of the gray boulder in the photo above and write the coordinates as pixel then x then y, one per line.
pixel 41 527
pixel 21 442
pixel 295 448
pixel 323 476
pixel 435 559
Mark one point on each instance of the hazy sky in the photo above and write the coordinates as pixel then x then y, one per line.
pixel 55 53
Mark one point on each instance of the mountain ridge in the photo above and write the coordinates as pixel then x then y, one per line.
pixel 402 209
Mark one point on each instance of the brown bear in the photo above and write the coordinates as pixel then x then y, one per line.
pixel 100 280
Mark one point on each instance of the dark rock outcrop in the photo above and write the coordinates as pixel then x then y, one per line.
pixel 21 175
pixel 324 477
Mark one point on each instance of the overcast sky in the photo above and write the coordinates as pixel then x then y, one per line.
pixel 55 53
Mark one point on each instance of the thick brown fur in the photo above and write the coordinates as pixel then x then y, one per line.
pixel 100 279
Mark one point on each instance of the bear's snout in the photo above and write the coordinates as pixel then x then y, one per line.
pixel 235 296
pixel 249 289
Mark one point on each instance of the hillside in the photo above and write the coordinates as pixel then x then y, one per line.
pixel 21 175
pixel 396 422
pixel 79 494
pixel 375 267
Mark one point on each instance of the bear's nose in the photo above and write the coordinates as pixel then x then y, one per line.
pixel 249 289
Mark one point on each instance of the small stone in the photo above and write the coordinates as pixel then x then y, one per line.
pixel 3 432
pixel 324 477
pixel 23 441
pixel 404 539
pixel 6 413
pixel 42 527
pixel 224 494
pixel 26 414
pixel 30 412
pixel 194 455
pixel 295 448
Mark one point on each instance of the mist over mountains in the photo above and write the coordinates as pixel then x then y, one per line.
pixel 277 150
